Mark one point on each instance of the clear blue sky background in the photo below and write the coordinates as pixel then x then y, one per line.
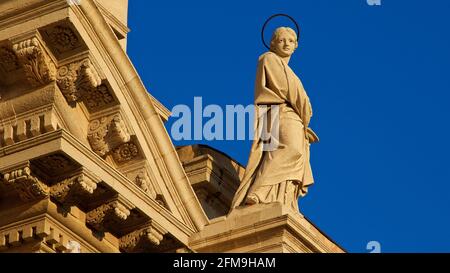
pixel 378 79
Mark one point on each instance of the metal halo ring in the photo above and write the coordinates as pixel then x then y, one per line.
pixel 273 16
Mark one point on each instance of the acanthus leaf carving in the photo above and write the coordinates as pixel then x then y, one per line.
pixel 38 66
pixel 106 133
pixel 25 184
pixel 66 82
pixel 151 234
pixel 77 79
pixel 88 77
pixel 71 191
pixel 98 129
pixel 107 214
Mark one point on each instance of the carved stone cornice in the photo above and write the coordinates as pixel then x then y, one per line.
pixel 107 133
pixel 27 186
pixel 152 234
pixel 115 181
pixel 37 64
pixel 108 214
pixel 71 191
pixel 147 118
pixel 77 79
pixel 28 11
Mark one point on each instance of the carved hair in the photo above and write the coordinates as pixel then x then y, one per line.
pixel 276 34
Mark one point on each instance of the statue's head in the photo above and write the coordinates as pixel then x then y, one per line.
pixel 284 41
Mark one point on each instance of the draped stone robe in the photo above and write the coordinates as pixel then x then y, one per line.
pixel 284 174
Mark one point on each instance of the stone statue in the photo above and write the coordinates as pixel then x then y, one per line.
pixel 282 174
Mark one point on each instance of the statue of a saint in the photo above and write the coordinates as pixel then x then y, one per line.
pixel 282 174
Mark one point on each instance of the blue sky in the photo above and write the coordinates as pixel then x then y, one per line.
pixel 378 79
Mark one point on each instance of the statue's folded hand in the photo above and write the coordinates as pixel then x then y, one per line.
pixel 311 136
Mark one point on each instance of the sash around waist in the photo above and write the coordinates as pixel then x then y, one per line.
pixel 285 111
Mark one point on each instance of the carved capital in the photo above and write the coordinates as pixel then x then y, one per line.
pixel 150 234
pixel 70 191
pixel 25 184
pixel 107 133
pixel 107 214
pixel 38 66
pixel 77 79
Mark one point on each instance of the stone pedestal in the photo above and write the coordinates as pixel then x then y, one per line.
pixel 269 228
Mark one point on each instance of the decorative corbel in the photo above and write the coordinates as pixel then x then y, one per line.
pixel 37 64
pixel 109 214
pixel 24 183
pixel 151 234
pixel 77 79
pixel 73 190
pixel 106 133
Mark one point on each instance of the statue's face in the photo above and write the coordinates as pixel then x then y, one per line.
pixel 285 45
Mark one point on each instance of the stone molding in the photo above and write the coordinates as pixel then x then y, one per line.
pixel 263 228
